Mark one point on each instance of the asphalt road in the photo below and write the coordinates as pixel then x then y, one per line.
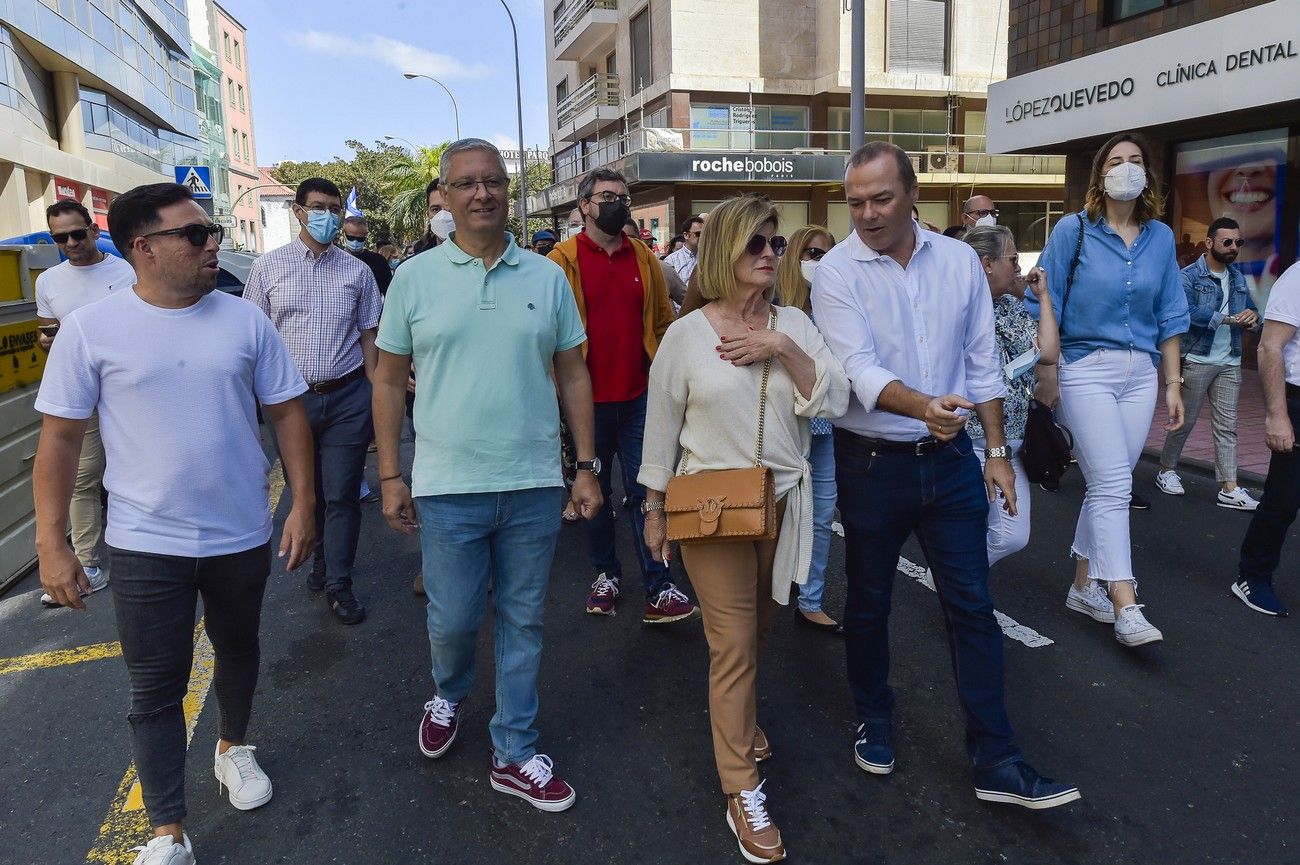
pixel 1185 751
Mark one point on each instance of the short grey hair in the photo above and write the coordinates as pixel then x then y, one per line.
pixel 588 184
pixel 990 241
pixel 462 146
pixel 873 150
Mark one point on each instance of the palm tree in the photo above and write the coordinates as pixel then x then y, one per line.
pixel 404 182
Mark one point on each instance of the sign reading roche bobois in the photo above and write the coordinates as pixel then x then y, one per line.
pixel 1243 60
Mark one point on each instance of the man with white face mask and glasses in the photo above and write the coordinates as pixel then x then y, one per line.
pixel 1115 279
pixel 979 210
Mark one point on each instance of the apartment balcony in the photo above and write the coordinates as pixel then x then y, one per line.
pixel 584 26
pixel 595 102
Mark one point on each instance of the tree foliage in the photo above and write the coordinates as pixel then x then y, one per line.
pixel 404 181
pixel 365 170
pixel 539 177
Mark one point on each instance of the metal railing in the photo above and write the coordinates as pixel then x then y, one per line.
pixel 572 14
pixel 600 89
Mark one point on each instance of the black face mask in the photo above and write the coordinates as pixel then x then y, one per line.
pixel 613 216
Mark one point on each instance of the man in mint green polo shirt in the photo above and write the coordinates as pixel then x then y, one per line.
pixel 493 332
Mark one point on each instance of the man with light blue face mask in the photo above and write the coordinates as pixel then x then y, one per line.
pixel 325 303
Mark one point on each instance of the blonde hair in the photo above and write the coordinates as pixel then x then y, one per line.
pixel 1150 204
pixel 791 287
pixel 722 243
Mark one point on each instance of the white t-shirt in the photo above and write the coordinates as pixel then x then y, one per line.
pixel 1284 306
pixel 176 391
pixel 63 288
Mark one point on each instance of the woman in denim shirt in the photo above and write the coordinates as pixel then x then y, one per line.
pixel 1125 313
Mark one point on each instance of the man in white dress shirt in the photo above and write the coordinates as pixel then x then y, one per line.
pixel 910 316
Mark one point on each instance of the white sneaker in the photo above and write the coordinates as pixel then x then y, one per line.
pixel 97 582
pixel 1169 482
pixel 237 771
pixel 1238 500
pixel 1092 601
pixel 1133 629
pixel 165 851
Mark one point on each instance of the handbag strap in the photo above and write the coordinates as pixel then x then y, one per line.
pixel 1074 265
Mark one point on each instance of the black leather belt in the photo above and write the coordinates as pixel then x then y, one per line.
pixel 324 387
pixel 918 448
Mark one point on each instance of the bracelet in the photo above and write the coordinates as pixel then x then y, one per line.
pixel 390 478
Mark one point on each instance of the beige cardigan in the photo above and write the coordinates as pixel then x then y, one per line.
pixel 704 404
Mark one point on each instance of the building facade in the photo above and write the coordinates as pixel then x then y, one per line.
pixel 245 217
pixel 697 100
pixel 96 96
pixel 1214 85
pixel 275 203
pixel 210 92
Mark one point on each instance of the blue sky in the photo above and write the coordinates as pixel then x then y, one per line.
pixel 327 71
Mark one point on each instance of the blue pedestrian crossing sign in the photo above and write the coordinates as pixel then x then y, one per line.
pixel 196 178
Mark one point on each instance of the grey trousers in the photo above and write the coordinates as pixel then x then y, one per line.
pixel 1223 383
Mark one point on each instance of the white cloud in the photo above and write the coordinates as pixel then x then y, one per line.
pixel 399 55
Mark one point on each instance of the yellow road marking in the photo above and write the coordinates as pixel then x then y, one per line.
pixel 59 658
pixel 126 824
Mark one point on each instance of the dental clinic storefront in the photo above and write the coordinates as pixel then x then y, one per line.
pixel 1220 102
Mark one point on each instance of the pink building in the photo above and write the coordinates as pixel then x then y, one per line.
pixel 232 51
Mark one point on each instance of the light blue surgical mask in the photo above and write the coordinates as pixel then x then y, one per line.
pixel 323 225
pixel 354 245
pixel 393 262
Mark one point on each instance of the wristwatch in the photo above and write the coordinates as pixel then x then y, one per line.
pixel 647 506
pixel 1002 452
pixel 592 466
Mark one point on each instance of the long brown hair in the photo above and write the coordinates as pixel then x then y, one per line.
pixel 1150 204
pixel 791 287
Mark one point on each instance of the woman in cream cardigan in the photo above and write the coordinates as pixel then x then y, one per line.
pixel 704 399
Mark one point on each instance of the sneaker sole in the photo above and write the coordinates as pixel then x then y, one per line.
pixel 1241 596
pixel 1171 492
pixel 750 857
pixel 244 806
pixel 1235 506
pixel 596 611
pixel 873 768
pixel 1151 635
pixel 550 807
pixel 1026 802
pixel 1081 607
pixel 668 620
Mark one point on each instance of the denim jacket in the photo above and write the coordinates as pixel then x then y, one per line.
pixel 1204 300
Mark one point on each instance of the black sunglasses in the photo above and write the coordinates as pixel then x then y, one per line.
pixel 196 233
pixel 1227 241
pixel 77 234
pixel 814 253
pixel 758 242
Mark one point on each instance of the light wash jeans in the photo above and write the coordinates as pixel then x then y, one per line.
pixel 1007 534
pixel 822 460
pixel 508 538
pixel 1107 400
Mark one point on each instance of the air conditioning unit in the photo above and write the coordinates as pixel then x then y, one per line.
pixel 941 159
pixel 916 163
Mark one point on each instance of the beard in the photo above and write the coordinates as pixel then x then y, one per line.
pixel 1224 257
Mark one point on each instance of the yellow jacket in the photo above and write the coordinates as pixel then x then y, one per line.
pixel 656 309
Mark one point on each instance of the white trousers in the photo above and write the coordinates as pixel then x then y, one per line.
pixel 1007 534
pixel 1107 400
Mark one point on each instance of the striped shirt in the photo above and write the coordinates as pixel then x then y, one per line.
pixel 319 304
pixel 682 261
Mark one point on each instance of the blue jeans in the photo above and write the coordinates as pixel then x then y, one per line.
pixel 822 460
pixel 620 428
pixel 467 540
pixel 341 430
pixel 883 498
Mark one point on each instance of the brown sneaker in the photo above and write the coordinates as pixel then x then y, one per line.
pixel 762 747
pixel 759 839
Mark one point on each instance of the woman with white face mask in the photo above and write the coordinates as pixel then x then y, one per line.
pixel 1115 282
pixel 794 288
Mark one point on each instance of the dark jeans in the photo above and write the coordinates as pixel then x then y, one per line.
pixel 341 430
pixel 154 598
pixel 1261 549
pixel 883 498
pixel 620 428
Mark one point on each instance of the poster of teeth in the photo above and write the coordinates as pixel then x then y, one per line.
pixel 1238 176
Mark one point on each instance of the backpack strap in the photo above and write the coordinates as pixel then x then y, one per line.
pixel 1069 280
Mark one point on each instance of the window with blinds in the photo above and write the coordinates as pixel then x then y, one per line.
pixel 918 36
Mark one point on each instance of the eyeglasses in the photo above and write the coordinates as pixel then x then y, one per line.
pixel 758 243
pixel 1015 260
pixel 196 233
pixel 491 184
pixel 335 209
pixel 814 254
pixel 694 233
pixel 983 212
pixel 77 234
pixel 1227 241
pixel 608 197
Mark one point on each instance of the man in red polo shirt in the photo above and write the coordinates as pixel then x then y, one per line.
pixel 619 286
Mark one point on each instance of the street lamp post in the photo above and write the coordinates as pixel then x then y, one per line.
pixel 454 107
pixel 403 140
pixel 519 109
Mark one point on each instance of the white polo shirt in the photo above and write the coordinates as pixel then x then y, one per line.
pixel 1284 306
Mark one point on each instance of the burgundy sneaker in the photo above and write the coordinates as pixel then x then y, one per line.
pixel 438 726
pixel 604 594
pixel 670 606
pixel 534 781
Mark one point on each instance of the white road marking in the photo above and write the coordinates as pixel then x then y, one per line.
pixel 1013 629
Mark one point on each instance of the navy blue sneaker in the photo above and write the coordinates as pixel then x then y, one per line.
pixel 873 751
pixel 1258 595
pixel 1018 784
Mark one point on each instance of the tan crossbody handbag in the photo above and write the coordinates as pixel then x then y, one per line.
pixel 728 504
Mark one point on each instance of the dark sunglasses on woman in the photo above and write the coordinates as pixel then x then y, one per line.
pixel 814 253
pixel 758 242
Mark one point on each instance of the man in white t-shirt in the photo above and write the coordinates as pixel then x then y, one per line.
pixel 175 371
pixel 87 276
pixel 1279 376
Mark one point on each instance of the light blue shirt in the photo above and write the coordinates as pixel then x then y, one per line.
pixel 483 343
pixel 1220 353
pixel 1123 297
pixel 929 326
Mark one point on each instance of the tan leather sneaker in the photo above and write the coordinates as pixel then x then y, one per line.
pixel 758 837
pixel 762 747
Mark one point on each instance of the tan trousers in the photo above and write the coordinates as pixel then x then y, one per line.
pixel 733 582
pixel 86 513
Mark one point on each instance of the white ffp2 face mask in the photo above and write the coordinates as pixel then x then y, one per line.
pixel 987 220
pixel 1126 181
pixel 808 268
pixel 442 224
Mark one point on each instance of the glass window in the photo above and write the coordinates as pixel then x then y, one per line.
pixel 639 31
pixel 611 63
pixel 230 86
pixel 240 88
pixel 248 154
pixel 239 56
pixel 1030 222
pixel 709 127
pixel 225 43
pixel 562 90
pixel 1118 9
pixel 918 36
